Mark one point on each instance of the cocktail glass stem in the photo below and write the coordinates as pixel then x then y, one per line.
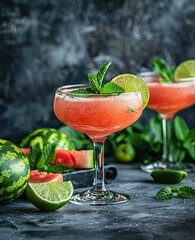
pixel 166 131
pixel 99 182
pixel 167 160
pixel 98 194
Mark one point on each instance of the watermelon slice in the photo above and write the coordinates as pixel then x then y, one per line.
pixel 38 177
pixel 74 158
pixel 77 159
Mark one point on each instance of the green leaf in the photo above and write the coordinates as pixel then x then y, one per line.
pixel 111 87
pixel 93 82
pixel 102 71
pixel 60 168
pixel 164 193
pixel 35 156
pixel 156 129
pixel 79 139
pixel 166 74
pixel 189 144
pixel 186 192
pixel 180 128
pixel 81 91
pixel 49 153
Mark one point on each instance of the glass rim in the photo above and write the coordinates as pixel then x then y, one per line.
pixel 66 89
pixel 152 77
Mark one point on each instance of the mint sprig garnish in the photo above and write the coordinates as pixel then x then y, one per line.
pixel 166 73
pixel 96 83
pixel 167 193
pixel 42 159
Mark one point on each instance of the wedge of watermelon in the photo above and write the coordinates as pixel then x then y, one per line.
pixel 76 159
pixel 38 177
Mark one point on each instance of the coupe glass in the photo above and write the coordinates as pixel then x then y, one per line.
pixel 167 99
pixel 98 116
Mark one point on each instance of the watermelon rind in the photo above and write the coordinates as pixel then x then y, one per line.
pixel 45 136
pixel 14 171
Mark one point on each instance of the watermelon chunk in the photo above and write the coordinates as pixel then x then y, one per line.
pixel 77 159
pixel 38 177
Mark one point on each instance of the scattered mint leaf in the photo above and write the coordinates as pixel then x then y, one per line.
pixel 186 192
pixel 174 189
pixel 164 193
pixel 166 74
pixel 111 87
pixel 60 168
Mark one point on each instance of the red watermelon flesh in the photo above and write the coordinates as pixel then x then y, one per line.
pixel 25 150
pixel 38 177
pixel 77 159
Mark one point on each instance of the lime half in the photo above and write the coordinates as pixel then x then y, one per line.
pixel 49 196
pixel 168 176
pixel 185 71
pixel 132 83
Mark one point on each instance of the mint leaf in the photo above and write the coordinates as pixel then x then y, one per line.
pixel 189 144
pixel 164 193
pixel 93 83
pixel 102 71
pixel 181 129
pixel 186 192
pixel 81 91
pixel 60 168
pixel 166 74
pixel 111 87
pixel 35 156
pixel 49 153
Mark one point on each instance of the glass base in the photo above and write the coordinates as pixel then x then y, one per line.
pixel 96 198
pixel 161 165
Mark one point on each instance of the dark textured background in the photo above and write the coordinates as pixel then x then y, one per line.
pixel 48 43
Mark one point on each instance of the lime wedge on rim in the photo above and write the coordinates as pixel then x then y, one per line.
pixel 133 83
pixel 168 176
pixel 185 71
pixel 49 196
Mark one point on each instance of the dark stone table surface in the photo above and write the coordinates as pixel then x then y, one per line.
pixel 142 217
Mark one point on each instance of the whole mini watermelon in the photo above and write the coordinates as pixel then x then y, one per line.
pixel 45 136
pixel 14 171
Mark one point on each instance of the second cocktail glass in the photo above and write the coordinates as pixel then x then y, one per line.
pixel 98 116
pixel 167 99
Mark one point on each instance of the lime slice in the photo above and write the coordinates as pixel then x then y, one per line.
pixel 185 71
pixel 49 196
pixel 132 83
pixel 168 176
